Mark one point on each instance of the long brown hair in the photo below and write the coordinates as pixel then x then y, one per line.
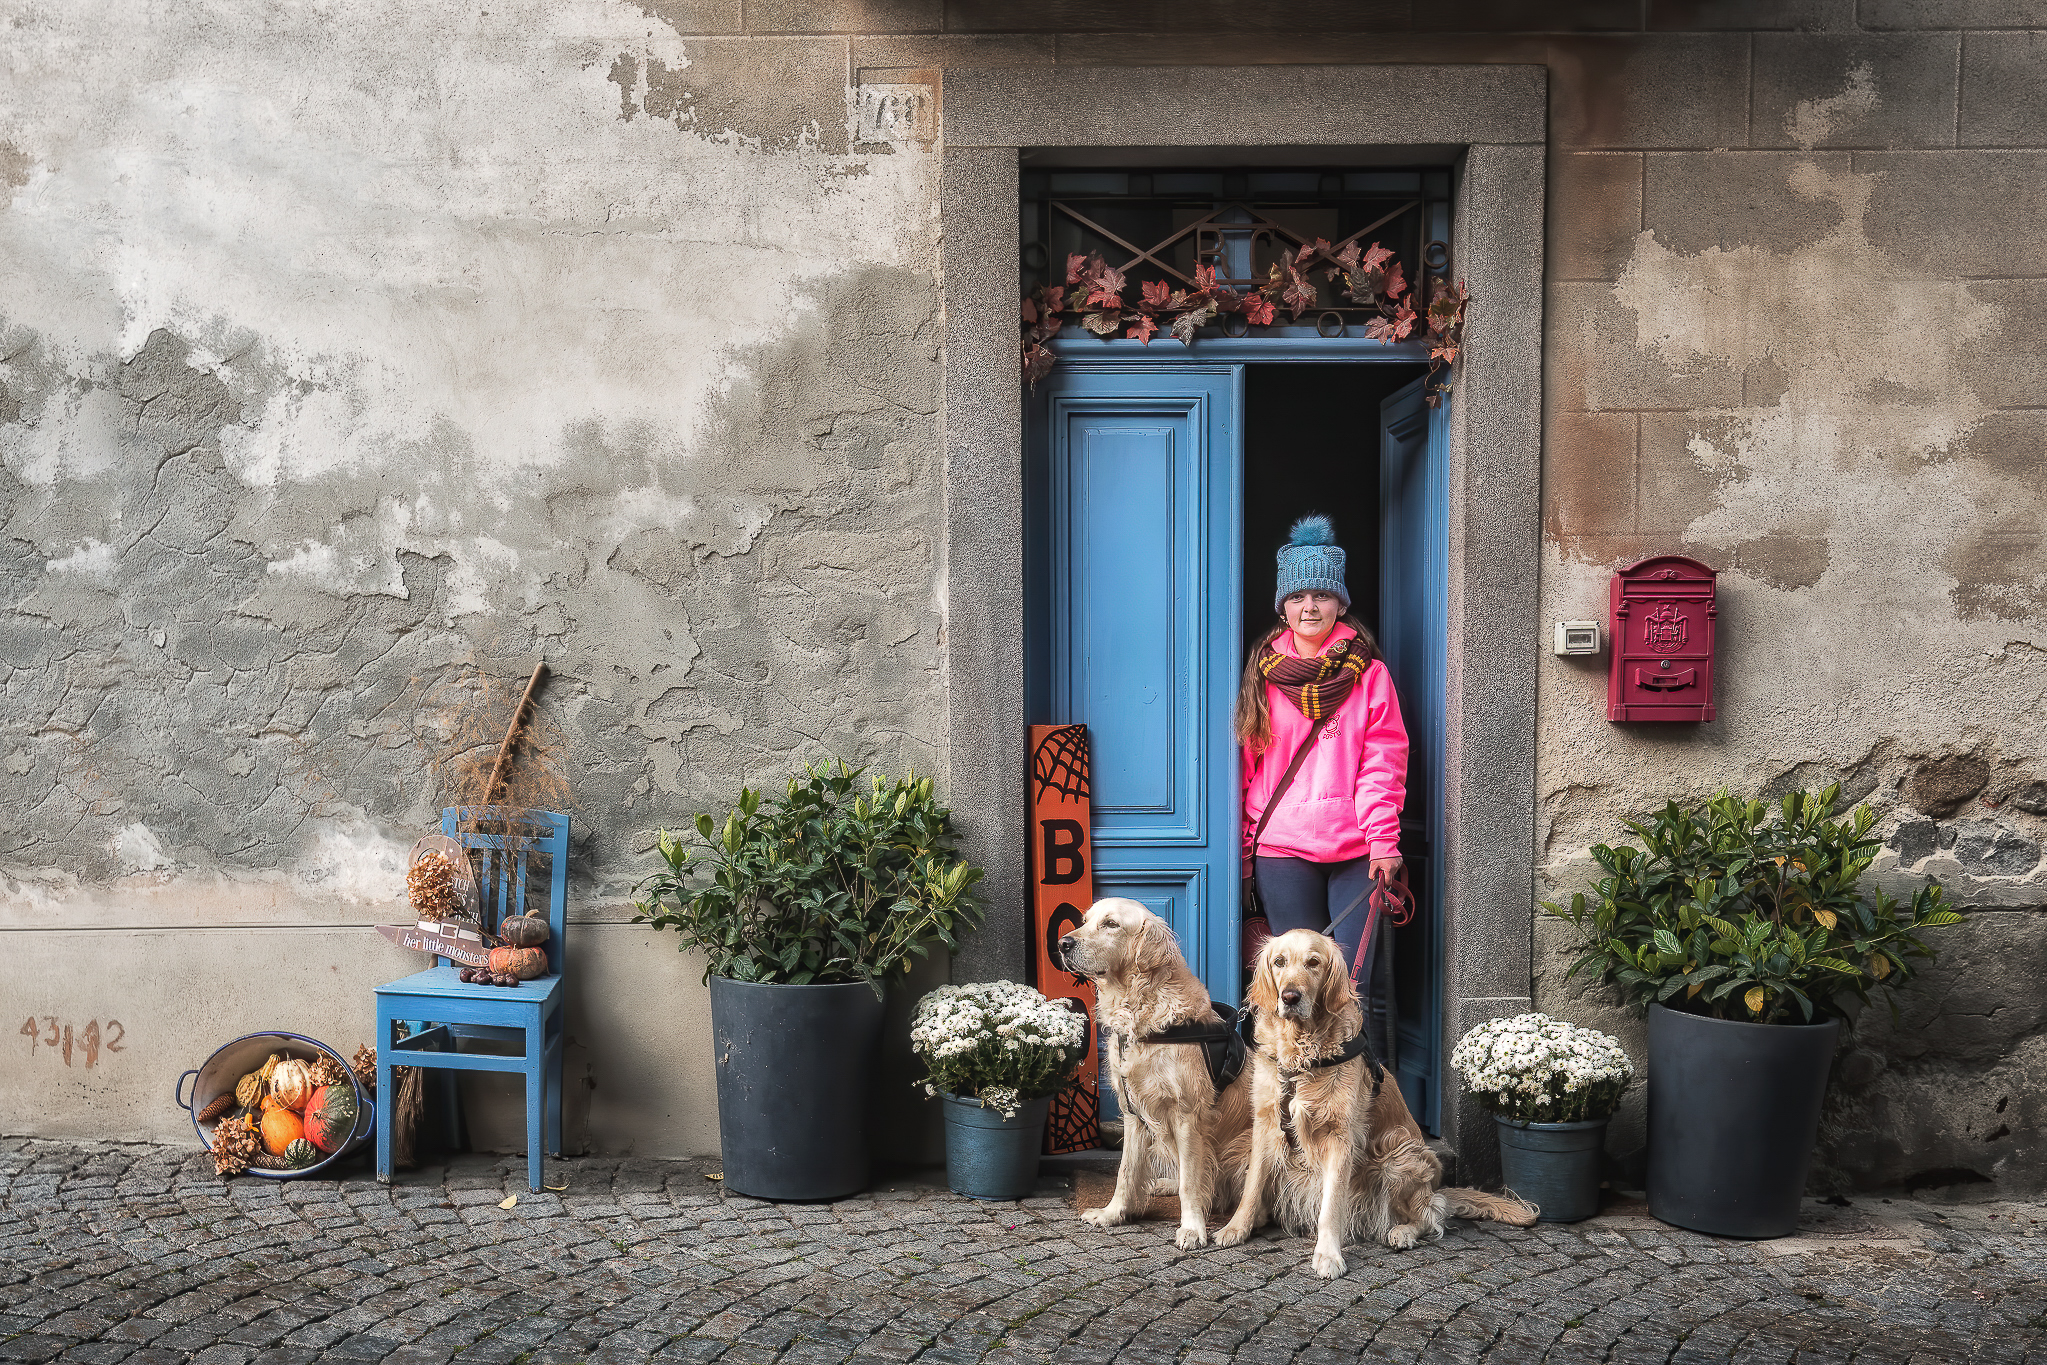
pixel 1254 717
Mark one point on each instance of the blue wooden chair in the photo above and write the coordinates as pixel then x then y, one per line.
pixel 443 1014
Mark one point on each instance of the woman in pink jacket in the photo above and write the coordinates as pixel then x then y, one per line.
pixel 1338 822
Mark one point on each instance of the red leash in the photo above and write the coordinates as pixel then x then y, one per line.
pixel 1390 897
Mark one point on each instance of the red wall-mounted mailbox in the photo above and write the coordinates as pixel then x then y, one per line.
pixel 1661 664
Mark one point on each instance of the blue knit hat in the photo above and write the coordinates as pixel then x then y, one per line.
pixel 1311 559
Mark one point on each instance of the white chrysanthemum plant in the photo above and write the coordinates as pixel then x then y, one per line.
pixel 997 1042
pixel 1535 1069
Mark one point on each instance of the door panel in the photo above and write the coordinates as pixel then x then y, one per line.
pixel 1132 485
pixel 1142 477
pixel 1413 620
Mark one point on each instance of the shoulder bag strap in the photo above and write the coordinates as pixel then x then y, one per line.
pixel 1286 780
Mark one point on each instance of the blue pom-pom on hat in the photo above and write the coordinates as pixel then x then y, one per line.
pixel 1311 559
pixel 1313 530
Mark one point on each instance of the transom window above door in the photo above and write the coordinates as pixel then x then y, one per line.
pixel 1161 224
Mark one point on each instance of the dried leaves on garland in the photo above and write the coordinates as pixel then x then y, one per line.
pixel 1371 277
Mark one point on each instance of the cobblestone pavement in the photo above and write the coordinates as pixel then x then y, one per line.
pixel 129 1253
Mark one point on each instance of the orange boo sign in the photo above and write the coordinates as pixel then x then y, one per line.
pixel 1062 888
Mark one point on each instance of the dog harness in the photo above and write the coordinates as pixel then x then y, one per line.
pixel 1222 1047
pixel 1360 1046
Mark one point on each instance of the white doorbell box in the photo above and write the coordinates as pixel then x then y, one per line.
pixel 1577 637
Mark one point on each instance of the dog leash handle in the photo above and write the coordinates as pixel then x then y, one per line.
pixel 1390 897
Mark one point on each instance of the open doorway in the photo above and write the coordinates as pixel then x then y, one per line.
pixel 1314 441
pixel 1311 444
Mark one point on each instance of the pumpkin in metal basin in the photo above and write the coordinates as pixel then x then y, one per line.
pixel 291 1085
pixel 281 1128
pixel 330 1116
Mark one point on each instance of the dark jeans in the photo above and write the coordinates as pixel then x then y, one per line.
pixel 1298 894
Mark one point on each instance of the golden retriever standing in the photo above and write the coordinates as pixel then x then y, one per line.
pixel 1332 1143
pixel 1172 1113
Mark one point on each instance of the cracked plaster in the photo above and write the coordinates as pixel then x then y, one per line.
pixel 1865 656
pixel 339 358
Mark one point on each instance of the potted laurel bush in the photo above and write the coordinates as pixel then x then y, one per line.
pixel 1744 932
pixel 1551 1087
pixel 804 908
pixel 994 1054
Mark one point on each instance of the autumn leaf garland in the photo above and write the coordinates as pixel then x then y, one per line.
pixel 1094 295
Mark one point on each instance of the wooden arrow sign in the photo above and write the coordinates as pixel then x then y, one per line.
pixel 468 952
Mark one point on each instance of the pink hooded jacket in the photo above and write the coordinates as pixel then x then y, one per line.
pixel 1345 801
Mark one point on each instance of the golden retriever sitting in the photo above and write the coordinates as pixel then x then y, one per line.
pixel 1332 1145
pixel 1173 1116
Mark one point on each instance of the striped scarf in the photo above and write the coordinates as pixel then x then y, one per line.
pixel 1319 685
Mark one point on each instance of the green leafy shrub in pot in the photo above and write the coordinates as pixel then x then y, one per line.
pixel 1747 911
pixel 831 883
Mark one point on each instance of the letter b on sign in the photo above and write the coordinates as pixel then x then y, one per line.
pixel 1062 862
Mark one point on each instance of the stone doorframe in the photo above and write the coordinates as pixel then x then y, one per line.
pixel 1491 122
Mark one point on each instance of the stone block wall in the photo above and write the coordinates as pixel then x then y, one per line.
pixel 342 354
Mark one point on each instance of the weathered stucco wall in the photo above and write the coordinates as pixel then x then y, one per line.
pixel 343 349
pixel 1795 335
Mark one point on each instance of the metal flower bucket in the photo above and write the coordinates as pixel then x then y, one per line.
pixel 218 1074
pixel 991 1157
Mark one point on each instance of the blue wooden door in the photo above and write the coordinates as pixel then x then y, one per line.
pixel 1413 625
pixel 1143 469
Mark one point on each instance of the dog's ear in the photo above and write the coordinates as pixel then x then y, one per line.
pixel 1264 991
pixel 1153 950
pixel 1336 985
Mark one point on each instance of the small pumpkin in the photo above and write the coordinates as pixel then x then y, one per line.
pixel 299 1152
pixel 249 1089
pixel 523 931
pixel 281 1128
pixel 330 1116
pixel 292 1083
pixel 524 963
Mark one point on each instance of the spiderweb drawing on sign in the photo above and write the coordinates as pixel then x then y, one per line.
pixel 1060 764
pixel 1074 1123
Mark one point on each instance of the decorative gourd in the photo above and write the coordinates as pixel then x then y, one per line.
pixel 523 931
pixel 330 1116
pixel 301 1153
pixel 524 963
pixel 281 1128
pixel 249 1089
pixel 292 1084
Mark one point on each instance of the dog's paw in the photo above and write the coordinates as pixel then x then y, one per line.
pixel 1189 1237
pixel 1232 1234
pixel 1329 1264
pixel 1403 1237
pixel 1106 1217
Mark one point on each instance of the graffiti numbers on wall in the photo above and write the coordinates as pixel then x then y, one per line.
pixel 47 1032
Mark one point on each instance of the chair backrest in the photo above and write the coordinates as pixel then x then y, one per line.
pixel 518 867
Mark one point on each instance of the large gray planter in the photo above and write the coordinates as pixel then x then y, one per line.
pixel 795 1074
pixel 1734 1110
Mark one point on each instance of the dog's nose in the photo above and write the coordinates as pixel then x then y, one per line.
pixel 1066 943
pixel 1290 996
